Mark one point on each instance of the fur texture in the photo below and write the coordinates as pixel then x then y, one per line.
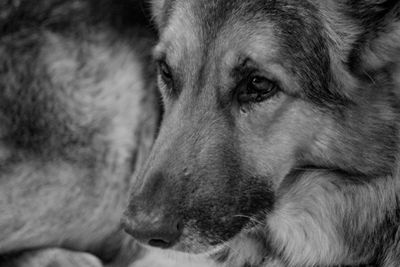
pixel 78 113
pixel 279 144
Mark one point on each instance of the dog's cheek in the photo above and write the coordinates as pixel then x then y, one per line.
pixel 266 143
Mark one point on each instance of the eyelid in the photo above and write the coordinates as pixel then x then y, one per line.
pixel 161 60
pixel 169 84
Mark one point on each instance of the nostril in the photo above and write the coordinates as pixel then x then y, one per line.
pixel 169 237
pixel 165 234
pixel 179 227
pixel 159 243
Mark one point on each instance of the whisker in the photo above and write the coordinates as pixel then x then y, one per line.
pixel 253 220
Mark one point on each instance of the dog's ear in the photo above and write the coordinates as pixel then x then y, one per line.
pixel 157 10
pixel 377 43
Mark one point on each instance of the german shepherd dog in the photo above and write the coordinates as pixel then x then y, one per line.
pixel 280 138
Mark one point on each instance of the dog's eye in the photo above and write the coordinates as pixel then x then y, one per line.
pixel 257 90
pixel 165 72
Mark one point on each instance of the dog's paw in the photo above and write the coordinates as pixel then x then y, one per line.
pixel 53 258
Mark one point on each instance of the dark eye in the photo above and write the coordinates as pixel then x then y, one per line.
pixel 257 89
pixel 165 71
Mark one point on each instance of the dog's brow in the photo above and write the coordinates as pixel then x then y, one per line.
pixel 245 64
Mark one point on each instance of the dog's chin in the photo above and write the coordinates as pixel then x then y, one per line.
pixel 195 247
pixel 195 243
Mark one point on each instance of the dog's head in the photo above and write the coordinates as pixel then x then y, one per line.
pixel 253 90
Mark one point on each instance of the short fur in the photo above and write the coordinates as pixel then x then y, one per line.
pixel 306 177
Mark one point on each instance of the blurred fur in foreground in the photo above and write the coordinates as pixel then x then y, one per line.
pixel 78 112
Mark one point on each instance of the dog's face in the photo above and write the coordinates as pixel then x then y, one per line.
pixel 251 94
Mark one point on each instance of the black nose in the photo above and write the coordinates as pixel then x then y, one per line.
pixel 157 233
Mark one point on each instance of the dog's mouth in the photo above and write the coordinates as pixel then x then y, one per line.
pixel 244 249
pixel 192 242
pixel 206 241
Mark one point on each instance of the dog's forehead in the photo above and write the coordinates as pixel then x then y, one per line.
pixel 197 19
pixel 195 28
pixel 197 24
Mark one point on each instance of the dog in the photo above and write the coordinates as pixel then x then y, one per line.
pixel 279 143
pixel 79 111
